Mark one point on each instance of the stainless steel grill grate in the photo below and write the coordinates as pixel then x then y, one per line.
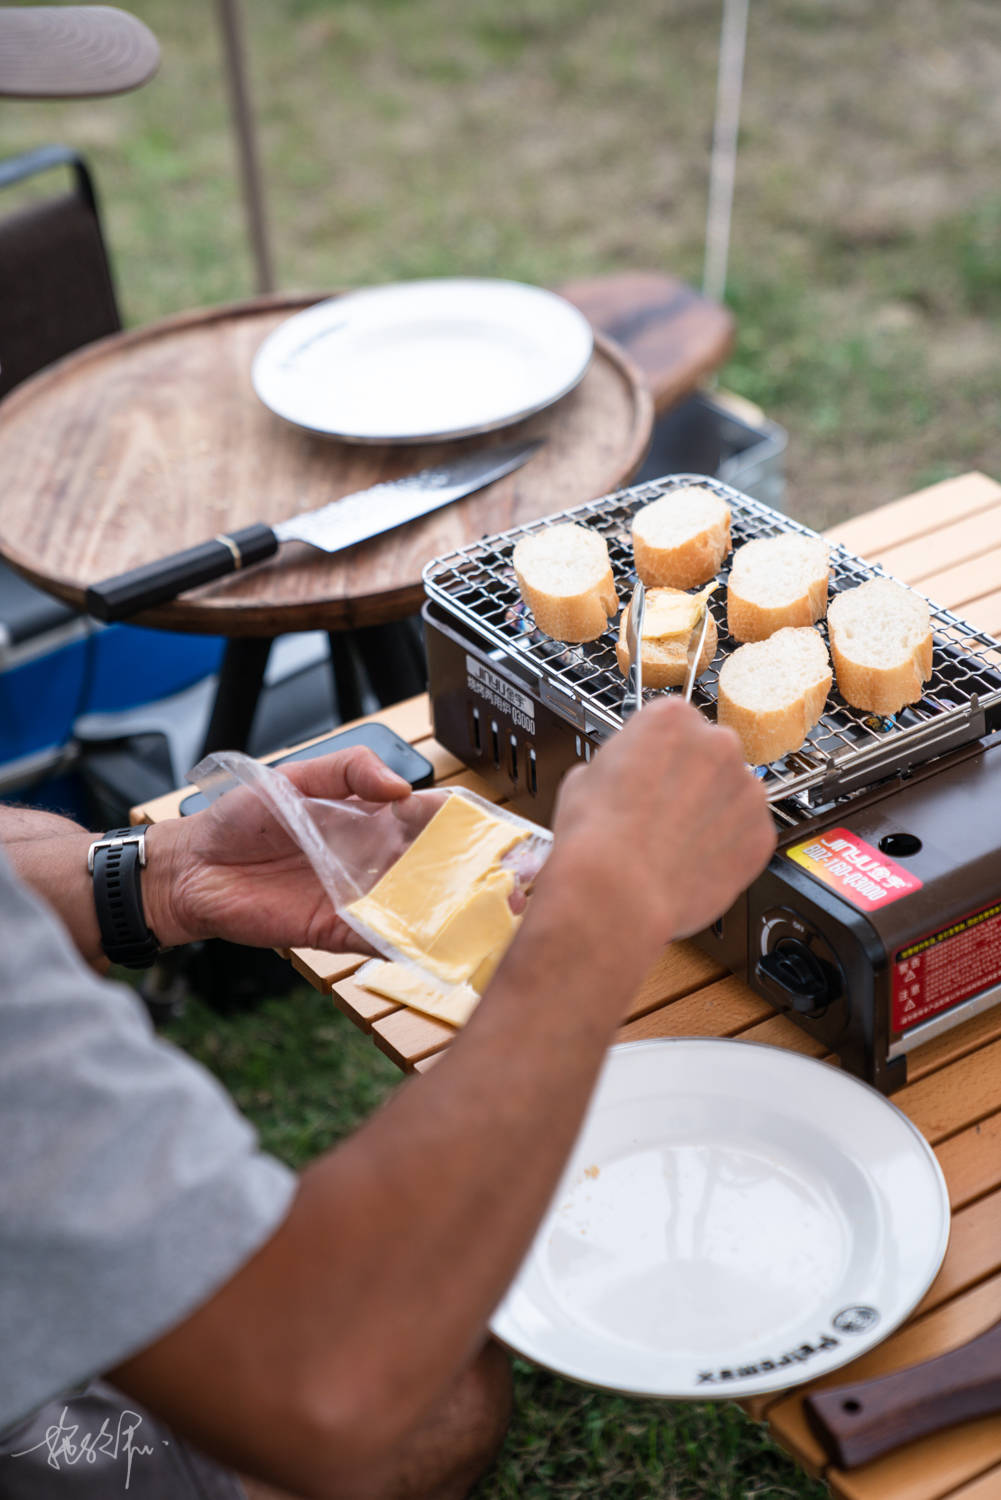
pixel 845 751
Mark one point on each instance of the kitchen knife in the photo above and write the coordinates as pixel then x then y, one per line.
pixel 342 523
pixel 634 644
pixel 856 1423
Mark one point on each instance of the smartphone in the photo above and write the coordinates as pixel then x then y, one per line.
pixel 387 744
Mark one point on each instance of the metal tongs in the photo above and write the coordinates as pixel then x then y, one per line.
pixel 634 640
pixel 634 645
pixel 697 639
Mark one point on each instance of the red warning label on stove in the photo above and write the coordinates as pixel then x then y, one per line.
pixel 946 967
pixel 853 868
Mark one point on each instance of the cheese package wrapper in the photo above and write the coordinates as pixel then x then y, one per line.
pixel 435 883
pixel 448 908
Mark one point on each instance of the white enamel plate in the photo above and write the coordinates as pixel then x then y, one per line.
pixel 734 1218
pixel 422 361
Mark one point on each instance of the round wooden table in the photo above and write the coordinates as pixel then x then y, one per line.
pixel 154 440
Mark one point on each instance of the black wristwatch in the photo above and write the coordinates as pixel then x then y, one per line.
pixel 115 861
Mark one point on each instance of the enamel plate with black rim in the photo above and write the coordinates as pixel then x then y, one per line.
pixel 734 1219
pixel 423 361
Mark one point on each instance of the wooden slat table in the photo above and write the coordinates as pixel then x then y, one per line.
pixel 947 541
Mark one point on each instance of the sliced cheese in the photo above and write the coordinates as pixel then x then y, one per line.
pixel 444 904
pixel 482 928
pixel 452 1003
pixel 670 614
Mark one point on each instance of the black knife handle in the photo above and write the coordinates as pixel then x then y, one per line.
pixel 140 588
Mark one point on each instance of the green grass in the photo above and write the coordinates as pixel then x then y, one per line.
pixel 568 1442
pixel 303 1074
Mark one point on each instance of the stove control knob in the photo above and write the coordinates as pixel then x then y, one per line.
pixel 805 982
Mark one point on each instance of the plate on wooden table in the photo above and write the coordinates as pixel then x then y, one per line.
pixel 423 361
pixel 734 1219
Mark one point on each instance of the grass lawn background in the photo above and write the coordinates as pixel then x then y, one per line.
pixel 541 139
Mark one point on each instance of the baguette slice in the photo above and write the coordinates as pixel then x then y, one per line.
pixel 681 540
pixel 881 643
pixel 565 578
pixel 667 630
pixel 773 692
pixel 776 581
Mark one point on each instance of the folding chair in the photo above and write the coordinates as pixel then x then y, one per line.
pixel 54 264
pixel 57 294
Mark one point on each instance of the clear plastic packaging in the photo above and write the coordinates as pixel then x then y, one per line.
pixel 354 845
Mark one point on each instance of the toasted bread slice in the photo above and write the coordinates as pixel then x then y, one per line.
pixel 776 581
pixel 565 578
pixel 773 692
pixel 667 630
pixel 881 645
pixel 681 540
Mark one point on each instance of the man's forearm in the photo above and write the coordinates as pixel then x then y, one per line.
pixel 486 1140
pixel 49 854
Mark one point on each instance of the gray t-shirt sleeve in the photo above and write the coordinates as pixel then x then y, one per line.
pixel 130 1186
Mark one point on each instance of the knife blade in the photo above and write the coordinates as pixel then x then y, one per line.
pixel 342 523
pixel 634 639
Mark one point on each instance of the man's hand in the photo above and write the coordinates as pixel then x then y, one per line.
pixel 233 871
pixel 662 831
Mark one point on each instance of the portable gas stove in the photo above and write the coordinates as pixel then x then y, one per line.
pixel 877 924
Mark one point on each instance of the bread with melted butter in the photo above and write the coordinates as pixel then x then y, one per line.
pixel 664 645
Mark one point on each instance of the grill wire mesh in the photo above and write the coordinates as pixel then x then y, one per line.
pixel 847 748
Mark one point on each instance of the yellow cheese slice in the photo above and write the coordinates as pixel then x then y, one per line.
pixel 451 1003
pixel 669 613
pixel 481 928
pixel 444 903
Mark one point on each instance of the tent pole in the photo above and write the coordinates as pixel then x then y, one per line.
pixel 250 172
pixel 723 163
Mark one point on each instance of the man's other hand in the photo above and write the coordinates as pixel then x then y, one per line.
pixel 234 872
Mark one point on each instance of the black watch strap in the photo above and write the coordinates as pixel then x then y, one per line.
pixel 116 862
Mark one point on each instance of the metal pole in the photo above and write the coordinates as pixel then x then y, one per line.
pixel 243 119
pixel 723 165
